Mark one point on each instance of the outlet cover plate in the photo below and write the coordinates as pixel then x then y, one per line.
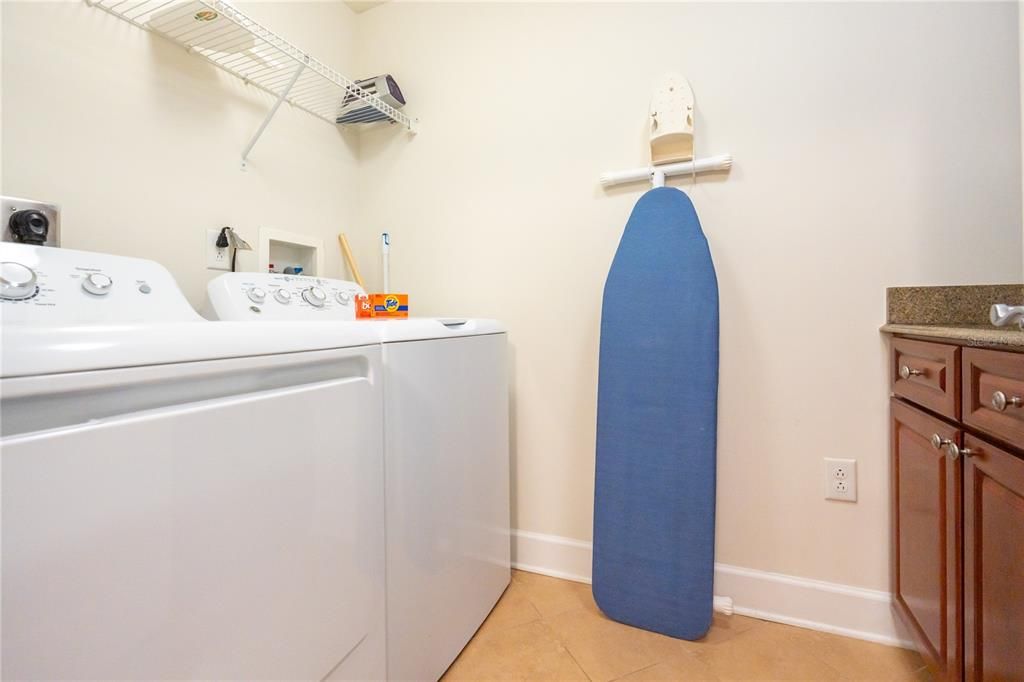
pixel 217 258
pixel 841 479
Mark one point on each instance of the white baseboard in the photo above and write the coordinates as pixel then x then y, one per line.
pixel 815 604
pixel 829 607
pixel 552 555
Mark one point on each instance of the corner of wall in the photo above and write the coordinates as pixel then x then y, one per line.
pixel 1020 87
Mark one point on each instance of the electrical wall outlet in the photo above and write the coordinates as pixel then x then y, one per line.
pixel 841 479
pixel 217 258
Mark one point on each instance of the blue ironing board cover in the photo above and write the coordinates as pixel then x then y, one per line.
pixel 657 405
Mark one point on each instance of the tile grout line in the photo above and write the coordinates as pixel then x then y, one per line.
pixel 633 672
pixel 580 666
pixel 569 651
pixel 561 641
pixel 840 675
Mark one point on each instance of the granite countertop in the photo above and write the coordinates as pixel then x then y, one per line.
pixel 959 313
pixel 973 334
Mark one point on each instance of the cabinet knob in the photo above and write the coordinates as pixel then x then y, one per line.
pixel 907 371
pixel 1000 401
pixel 938 442
pixel 955 451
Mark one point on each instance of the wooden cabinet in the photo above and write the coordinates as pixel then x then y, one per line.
pixel 958 507
pixel 993 562
pixel 926 547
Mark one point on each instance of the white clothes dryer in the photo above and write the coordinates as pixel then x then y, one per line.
pixel 182 499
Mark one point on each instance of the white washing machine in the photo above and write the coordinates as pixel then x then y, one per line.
pixel 182 499
pixel 446 460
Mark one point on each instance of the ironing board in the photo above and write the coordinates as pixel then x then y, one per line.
pixel 654 501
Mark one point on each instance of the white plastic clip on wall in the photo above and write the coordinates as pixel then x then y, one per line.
pixel 672 133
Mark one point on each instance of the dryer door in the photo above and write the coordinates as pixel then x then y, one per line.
pixel 207 520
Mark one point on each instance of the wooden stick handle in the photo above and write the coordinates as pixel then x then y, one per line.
pixel 350 259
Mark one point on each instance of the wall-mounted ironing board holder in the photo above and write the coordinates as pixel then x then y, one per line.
pixel 657 174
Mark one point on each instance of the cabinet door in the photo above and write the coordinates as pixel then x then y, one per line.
pixel 926 522
pixel 993 562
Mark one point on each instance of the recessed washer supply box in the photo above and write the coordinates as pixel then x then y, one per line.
pixel 283 248
pixel 13 208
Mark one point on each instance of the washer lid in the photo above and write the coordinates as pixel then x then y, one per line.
pixel 30 349
pixel 423 328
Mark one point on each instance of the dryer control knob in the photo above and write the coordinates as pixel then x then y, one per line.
pixel 97 284
pixel 283 296
pixel 257 295
pixel 315 296
pixel 343 297
pixel 17 281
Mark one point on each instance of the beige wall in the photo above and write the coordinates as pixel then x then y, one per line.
pixel 853 128
pixel 141 142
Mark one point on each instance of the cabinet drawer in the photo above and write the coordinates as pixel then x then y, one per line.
pixel 993 400
pixel 927 374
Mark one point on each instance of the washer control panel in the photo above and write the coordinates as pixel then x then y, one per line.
pixel 44 284
pixel 267 296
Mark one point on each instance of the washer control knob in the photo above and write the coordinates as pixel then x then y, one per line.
pixel 97 284
pixel 283 296
pixel 315 296
pixel 343 297
pixel 257 295
pixel 17 281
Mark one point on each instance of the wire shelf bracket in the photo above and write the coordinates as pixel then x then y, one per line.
pixel 231 40
pixel 270 114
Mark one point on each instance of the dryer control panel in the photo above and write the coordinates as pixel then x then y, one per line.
pixel 266 296
pixel 47 285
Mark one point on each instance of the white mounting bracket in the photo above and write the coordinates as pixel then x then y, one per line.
pixel 270 114
pixel 657 174
pixel 672 121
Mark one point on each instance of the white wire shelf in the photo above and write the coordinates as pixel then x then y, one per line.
pixel 240 45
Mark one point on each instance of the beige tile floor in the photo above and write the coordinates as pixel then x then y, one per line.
pixel 549 629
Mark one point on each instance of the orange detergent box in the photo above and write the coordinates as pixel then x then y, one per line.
pixel 382 306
